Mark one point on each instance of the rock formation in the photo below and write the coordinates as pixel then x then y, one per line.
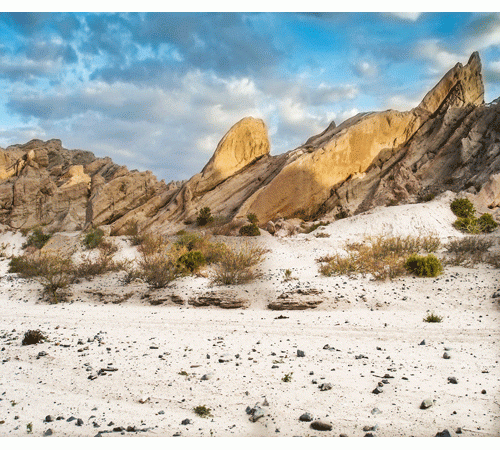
pixel 451 141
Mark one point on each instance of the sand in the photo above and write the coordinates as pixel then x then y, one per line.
pixel 363 331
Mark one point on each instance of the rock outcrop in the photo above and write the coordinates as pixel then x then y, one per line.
pixel 451 141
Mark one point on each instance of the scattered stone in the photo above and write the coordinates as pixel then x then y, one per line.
pixel 375 411
pixel 207 376
pixel 369 435
pixel 496 294
pixel 48 419
pixel 256 413
pixel 79 422
pixel 118 429
pixel 186 422
pixel 300 353
pixel 459 430
pixel 483 391
pixel 446 355
pixel 225 358
pixel 325 386
pixel 48 432
pixel 41 354
pixel 321 426
pixel 427 403
pixel 422 343
pixel 444 433
pixel 71 419
pixel 306 417
pixel 370 428
pixel 144 400
pixel 361 357
pixel 131 429
pixel 452 380
pixel 377 390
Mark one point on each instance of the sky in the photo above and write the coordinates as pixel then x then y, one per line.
pixel 157 91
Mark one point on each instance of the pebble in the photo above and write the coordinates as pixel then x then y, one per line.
pixel 186 422
pixel 256 413
pixel 306 417
pixel 207 376
pixel 300 353
pixel 79 422
pixel 422 343
pixel 377 390
pixel 321 426
pixel 452 380
pixel 48 432
pixel 376 411
pixel 446 355
pixel 325 386
pixel 427 403
pixel 444 433
pixel 49 419
pixel 225 358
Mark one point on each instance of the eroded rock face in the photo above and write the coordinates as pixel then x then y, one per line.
pixel 225 300
pixel 244 143
pixel 43 184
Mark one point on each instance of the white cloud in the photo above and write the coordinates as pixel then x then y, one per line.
pixel 410 16
pixel 441 59
pixel 482 33
pixel 366 69
pixel 401 103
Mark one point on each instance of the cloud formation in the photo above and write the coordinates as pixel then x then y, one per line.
pixel 158 91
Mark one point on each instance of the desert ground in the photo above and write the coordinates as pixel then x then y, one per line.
pixel 119 363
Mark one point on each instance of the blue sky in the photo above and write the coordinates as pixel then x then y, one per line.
pixel 158 91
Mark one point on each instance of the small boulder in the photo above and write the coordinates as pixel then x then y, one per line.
pixel 306 417
pixel 427 403
pixel 444 433
pixel 321 426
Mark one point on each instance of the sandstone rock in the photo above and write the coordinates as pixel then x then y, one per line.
pixel 296 300
pixel 225 300
pixel 245 142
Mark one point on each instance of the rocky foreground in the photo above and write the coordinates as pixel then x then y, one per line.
pixel 357 359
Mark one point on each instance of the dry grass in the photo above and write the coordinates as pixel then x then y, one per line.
pixel 381 257
pixel 469 251
pixel 236 266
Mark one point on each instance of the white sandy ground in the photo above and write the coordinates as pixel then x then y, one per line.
pixel 380 320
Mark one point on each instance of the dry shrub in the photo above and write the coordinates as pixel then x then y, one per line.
pixel 160 267
pixel 211 251
pixel 53 271
pixel 236 266
pixel 468 251
pixel 98 264
pixel 381 257
pixel 493 260
pixel 32 337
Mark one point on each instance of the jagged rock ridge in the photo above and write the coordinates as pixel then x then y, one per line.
pixel 451 141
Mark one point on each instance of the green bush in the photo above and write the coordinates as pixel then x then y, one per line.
pixel 433 318
pixel 250 230
pixel 203 411
pixel 252 218
pixel 204 217
pixel 93 238
pixel 37 239
pixel 424 266
pixel 486 223
pixel 192 261
pixel 463 207
pixel 468 225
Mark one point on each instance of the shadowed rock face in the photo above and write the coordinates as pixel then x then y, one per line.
pixel 451 141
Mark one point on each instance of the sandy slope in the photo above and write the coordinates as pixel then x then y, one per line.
pixel 151 345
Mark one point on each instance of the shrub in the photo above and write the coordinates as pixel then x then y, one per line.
pixel 468 251
pixel 381 257
pixel 463 207
pixel 468 225
pixel 315 226
pixel 486 223
pixel 93 238
pixel 32 337
pixel 428 197
pixel 92 265
pixel 424 266
pixel 204 217
pixel 236 266
pixel 192 261
pixel 287 378
pixel 252 218
pixel 250 230
pixel 159 269
pixel 432 318
pixel 37 239
pixel 53 271
pixel 203 411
